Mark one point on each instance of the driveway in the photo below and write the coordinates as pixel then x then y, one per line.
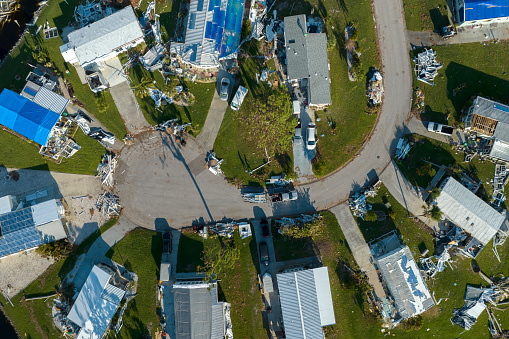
pixel 301 156
pixel 128 107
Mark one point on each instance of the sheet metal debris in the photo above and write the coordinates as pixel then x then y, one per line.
pixel 108 204
pixel 500 179
pixel 214 164
pixel 476 301
pixel 426 66
pixel 60 145
pixel 375 90
pixel 244 230
pixel 106 168
pixel 402 149
pixel 223 229
pixel 358 202
pixel 254 197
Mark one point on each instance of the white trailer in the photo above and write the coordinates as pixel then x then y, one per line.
pixel 238 98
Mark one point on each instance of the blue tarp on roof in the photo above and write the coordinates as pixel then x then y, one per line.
pixel 26 117
pixel 485 9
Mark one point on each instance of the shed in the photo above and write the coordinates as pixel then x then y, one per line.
pixel 165 271
pixel 267 283
pixel 296 107
pixel 26 117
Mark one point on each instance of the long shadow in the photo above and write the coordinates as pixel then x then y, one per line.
pixel 464 82
pixel 170 144
pixel 439 20
pixel 190 254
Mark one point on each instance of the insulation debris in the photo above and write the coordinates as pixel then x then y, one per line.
pixel 108 204
pixel 106 168
pixel 426 67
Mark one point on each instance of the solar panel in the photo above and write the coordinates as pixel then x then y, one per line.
pixel 19 232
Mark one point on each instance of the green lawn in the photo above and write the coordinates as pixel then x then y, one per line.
pixel 40 324
pixel 443 154
pixel 425 15
pixel 468 70
pixel 140 251
pixel 288 248
pixel 238 284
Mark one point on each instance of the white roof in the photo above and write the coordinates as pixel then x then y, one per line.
pixel 305 297
pixel 500 150
pixel 6 204
pixel 50 100
pixel 45 212
pixel 165 271
pixel 95 305
pixel 267 283
pixel 103 36
pixel 468 211
pixel 52 231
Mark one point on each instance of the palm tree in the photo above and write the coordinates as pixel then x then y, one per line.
pixel 433 212
pixel 142 89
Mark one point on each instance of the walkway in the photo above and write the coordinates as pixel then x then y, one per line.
pixel 358 246
pixel 128 107
pixel 486 33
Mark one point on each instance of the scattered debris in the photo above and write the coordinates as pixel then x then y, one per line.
pixel 244 230
pixel 256 17
pixel 426 67
pixel 500 179
pixel 476 300
pixel 223 229
pixel 297 221
pixel 60 145
pixel 375 88
pixel 254 197
pixel 402 149
pixel 106 168
pixel 352 52
pixel 158 96
pixel 358 203
pixel 90 12
pixel 108 204
pixel 279 180
pixel 214 164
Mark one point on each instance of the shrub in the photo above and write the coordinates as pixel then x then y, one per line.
pixel 370 216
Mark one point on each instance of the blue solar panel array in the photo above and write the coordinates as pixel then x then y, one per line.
pixel 225 26
pixel 18 232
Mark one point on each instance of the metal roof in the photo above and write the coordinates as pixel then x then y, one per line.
pixel 302 304
pixel 102 37
pixel 26 117
pixel 6 204
pixel 483 10
pixel 500 150
pixel 95 305
pixel 51 100
pixel 197 311
pixel 401 274
pixel 497 111
pixel 306 55
pixel 468 211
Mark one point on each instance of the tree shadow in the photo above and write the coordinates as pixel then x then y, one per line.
pixel 190 253
pixel 439 20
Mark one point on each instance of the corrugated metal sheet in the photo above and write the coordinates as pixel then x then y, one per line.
pixel 113 294
pixel 500 150
pixel 217 331
pixel 299 304
pixel 401 274
pixel 468 211
pixel 483 10
pixel 102 37
pixel 324 296
pixel 50 100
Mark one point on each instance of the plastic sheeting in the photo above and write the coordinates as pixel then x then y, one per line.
pixel 25 117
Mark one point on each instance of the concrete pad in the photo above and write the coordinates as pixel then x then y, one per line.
pixel 112 72
pixel 128 108
pixel 208 134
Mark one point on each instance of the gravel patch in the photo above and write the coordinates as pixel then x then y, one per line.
pixel 19 270
pixel 85 218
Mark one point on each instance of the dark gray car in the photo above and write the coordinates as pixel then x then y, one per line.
pixel 264 253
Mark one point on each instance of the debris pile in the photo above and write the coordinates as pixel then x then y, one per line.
pixel 214 164
pixel 358 202
pixel 106 168
pixel 223 229
pixel 244 230
pixel 254 197
pixel 279 180
pixel 90 12
pixel 402 149
pixel 59 142
pixel 426 67
pixel 499 181
pixel 158 96
pixel 375 89
pixel 256 17
pixel 296 221
pixel 108 204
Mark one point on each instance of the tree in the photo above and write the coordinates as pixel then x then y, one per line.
pixel 370 216
pixel 218 258
pixel 143 87
pixel 424 170
pixel 308 230
pixel 435 193
pixel 436 213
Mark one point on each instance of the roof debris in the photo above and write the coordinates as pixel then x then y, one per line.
pixel 426 67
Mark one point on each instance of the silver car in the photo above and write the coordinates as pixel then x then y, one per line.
pixel 225 85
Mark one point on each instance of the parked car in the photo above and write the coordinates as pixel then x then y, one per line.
pixel 440 129
pixel 238 98
pixel 287 196
pixel 225 85
pixel 264 253
pixel 167 239
pixel 297 138
pixel 264 224
pixel 311 140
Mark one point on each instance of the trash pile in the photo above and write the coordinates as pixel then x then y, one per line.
pixel 426 67
pixel 108 204
pixel 244 230
pixel 256 17
pixel 297 221
pixel 59 312
pixel 358 202
pixel 499 181
pixel 90 12
pixel 223 229
pixel 279 180
pixel 213 164
pixel 106 168
pixel 158 96
pixel 375 89
pixel 254 197
pixel 59 142
pixel 402 149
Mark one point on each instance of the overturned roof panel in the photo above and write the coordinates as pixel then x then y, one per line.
pixel 468 211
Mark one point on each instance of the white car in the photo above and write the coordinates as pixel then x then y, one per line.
pixel 225 85
pixel 311 139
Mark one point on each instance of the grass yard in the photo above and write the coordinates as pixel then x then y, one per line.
pixel 288 248
pixel 425 15
pixel 140 251
pixel 443 154
pixel 40 324
pixel 238 284
pixel 347 112
pixel 468 70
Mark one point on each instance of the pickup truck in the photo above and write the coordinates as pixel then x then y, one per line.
pixel 292 195
pixel 440 129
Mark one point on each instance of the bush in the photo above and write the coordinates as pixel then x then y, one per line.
pixel 308 230
pixel 370 216
pixel 412 324
pixel 319 168
pixel 56 250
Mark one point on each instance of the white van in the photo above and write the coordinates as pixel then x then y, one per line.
pixel 238 98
